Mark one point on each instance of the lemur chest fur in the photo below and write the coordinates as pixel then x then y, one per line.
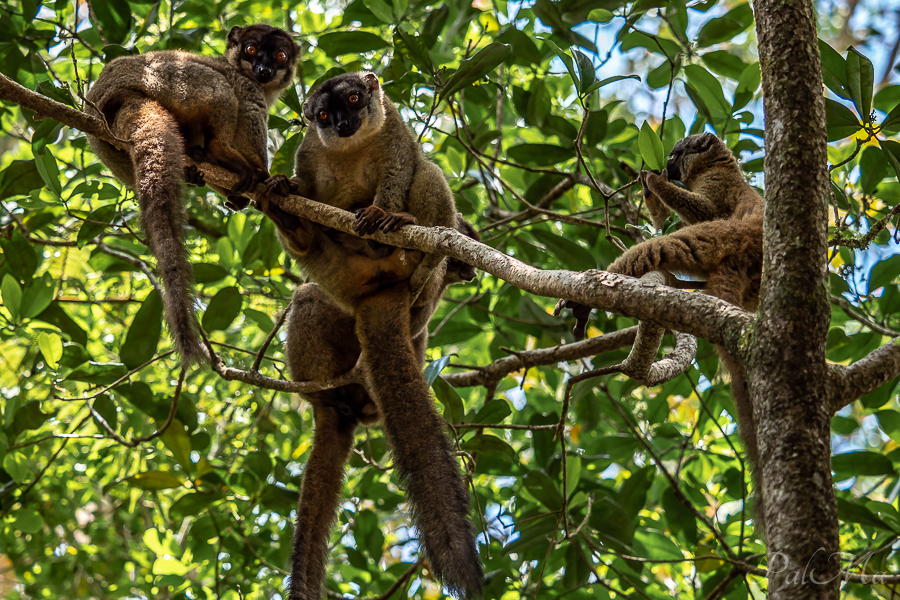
pixel 348 181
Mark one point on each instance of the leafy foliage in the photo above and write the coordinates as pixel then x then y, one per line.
pixel 110 489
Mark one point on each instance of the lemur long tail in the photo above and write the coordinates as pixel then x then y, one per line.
pixel 422 452
pixel 319 501
pixel 158 158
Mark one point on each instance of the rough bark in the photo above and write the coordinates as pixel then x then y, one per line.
pixel 788 378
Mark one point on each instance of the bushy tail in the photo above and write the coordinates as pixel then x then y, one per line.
pixel 319 501
pixel 158 158
pixel 422 451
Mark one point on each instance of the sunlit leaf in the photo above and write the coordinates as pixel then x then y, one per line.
pixel 840 121
pixel 472 69
pixel 350 42
pixel 143 335
pixel 860 79
pixel 651 148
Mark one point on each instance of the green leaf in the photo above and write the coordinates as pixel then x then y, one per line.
pixel 840 121
pixel 600 15
pixel 474 68
pixel 262 320
pixel 889 421
pixel 564 56
pixel 28 520
pixel 492 412
pixel 891 151
pixel 94 224
pixel 29 416
pixel 544 489
pixel 178 442
pixel 414 49
pixel 106 408
pixel 651 148
pixel 724 63
pixel 834 70
pixel 240 231
pixel 434 24
pixel 209 273
pixel 489 444
pixel 567 251
pixel 709 89
pixel 224 308
pixel 854 512
pixel 350 42
pixel 15 463
pixel 20 178
pixel 47 132
pixel 725 27
pixel 38 296
pixel 11 294
pixel 660 45
pixel 169 565
pixel 656 544
pixel 154 480
pixel 860 463
pixel 884 272
pixel 587 75
pixel 599 84
pixel 283 161
pixel 542 155
pixel 449 397
pixel 860 81
pixel 259 464
pixel 49 171
pixel 143 335
pixel 873 168
pixel 192 504
pixel 20 257
pixel 114 18
pixel 892 120
pixel 98 373
pixel 51 348
pixel 380 9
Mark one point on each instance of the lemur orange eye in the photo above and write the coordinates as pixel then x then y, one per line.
pixel 281 57
pixel 250 50
pixel 353 99
pixel 323 114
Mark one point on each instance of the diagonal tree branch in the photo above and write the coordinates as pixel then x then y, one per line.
pixel 874 370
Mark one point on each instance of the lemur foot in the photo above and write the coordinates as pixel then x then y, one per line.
pixel 581 313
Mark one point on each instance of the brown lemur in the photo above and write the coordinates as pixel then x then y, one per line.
pixel 321 345
pixel 358 155
pixel 217 107
pixel 722 242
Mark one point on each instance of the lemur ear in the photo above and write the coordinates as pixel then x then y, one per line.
pixel 234 36
pixel 371 80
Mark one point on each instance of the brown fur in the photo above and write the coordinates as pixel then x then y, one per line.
pixel 721 242
pixel 156 100
pixel 358 158
pixel 321 345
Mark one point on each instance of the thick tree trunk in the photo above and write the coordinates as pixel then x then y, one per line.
pixel 787 369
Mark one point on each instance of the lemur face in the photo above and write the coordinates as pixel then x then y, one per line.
pixel 346 109
pixel 684 161
pixel 263 53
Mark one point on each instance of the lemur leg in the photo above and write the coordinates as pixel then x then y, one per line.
pixel 695 250
pixel 319 500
